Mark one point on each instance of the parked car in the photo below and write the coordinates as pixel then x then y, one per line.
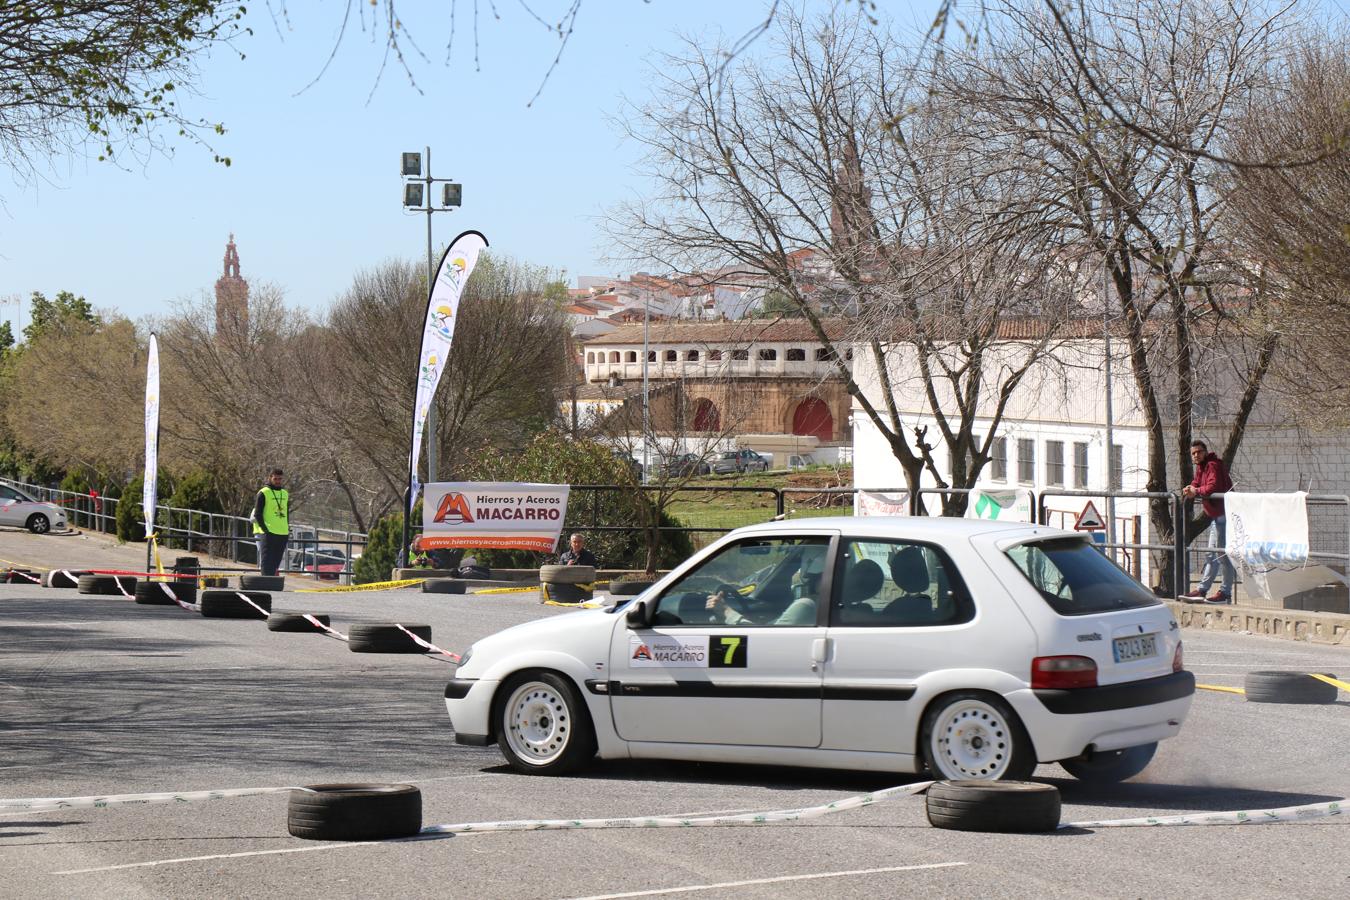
pixel 801 461
pixel 22 511
pixel 326 562
pixel 739 461
pixel 685 464
pixel 971 648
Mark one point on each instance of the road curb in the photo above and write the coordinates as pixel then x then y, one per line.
pixel 1314 627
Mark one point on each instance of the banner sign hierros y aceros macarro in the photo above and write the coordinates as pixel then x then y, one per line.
pixel 492 516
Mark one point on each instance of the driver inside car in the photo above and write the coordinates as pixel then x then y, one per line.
pixel 801 611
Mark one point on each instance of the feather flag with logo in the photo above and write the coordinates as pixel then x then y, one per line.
pixel 148 495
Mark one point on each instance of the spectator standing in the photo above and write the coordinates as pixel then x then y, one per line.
pixel 577 555
pixel 271 523
pixel 1211 477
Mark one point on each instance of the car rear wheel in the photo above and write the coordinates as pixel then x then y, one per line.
pixel 974 736
pixel 39 524
pixel 1111 766
pixel 543 727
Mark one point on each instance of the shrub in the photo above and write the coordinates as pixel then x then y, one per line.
pixel 382 545
pixel 194 491
pixel 130 518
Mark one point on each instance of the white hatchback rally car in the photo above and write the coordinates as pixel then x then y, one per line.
pixel 972 648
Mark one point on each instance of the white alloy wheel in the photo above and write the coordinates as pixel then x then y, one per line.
pixel 975 737
pixel 537 723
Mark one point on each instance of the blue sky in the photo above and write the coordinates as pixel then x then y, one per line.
pixel 314 192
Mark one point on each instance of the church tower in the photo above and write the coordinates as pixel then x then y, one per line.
pixel 231 295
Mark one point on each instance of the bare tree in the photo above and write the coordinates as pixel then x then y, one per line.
pixel 909 235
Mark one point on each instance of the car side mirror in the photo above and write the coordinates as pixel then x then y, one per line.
pixel 640 616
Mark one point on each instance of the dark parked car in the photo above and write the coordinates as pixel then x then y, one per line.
pixel 686 464
pixel 739 461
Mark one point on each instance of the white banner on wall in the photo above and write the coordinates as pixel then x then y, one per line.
pixel 1266 534
pixel 1005 506
pixel 881 503
pixel 493 516
pixel 148 494
pixel 438 330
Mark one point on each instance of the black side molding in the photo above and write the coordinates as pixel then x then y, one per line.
pixel 1075 701
pixel 473 740
pixel 458 689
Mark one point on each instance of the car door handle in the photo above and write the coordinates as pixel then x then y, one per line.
pixel 820 650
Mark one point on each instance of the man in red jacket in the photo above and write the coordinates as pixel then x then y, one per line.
pixel 1211 477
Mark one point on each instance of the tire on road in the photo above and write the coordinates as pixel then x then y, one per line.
pixel 992 744
pixel 262 582
pixel 628 588
pixel 1001 806
pixel 106 584
pixel 16 576
pixel 565 593
pixel 229 605
pixel 152 593
pixel 542 724
pixel 38 523
pixel 1287 687
pixel 295 622
pixel 63 578
pixel 567 574
pixel 367 638
pixel 355 812
pixel 442 586
pixel 1111 766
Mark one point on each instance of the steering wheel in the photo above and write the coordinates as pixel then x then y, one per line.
pixel 732 596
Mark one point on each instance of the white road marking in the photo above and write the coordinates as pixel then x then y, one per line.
pixel 183 859
pixel 780 879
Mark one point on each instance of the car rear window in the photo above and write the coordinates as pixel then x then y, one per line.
pixel 1077 579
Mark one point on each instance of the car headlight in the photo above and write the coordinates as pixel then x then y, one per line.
pixel 464 658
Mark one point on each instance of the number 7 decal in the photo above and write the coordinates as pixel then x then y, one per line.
pixel 735 649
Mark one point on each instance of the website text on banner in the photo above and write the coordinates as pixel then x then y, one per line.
pixel 492 516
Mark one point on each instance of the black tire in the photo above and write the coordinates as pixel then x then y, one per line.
pixel 565 593
pixel 1004 750
pixel 295 623
pixel 1111 766
pixel 628 588
pixel 229 605
pixel 213 581
pixel 262 582
pixel 442 586
pixel 152 593
pixel 1003 806
pixel 366 638
pixel 563 739
pixel 355 812
pixel 38 523
pixel 106 584
pixel 63 578
pixel 1287 687
pixel 16 576
pixel 567 574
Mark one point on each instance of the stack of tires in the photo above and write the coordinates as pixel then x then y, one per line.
pixel 567 584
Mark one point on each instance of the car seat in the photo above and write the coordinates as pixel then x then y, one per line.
pixel 909 571
pixel 862 580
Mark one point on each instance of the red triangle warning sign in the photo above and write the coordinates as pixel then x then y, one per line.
pixel 1089 519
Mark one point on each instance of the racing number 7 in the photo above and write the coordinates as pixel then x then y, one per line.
pixel 731 644
pixel 735 649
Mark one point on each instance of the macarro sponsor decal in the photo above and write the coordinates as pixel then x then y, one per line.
pixel 669 652
pixel 493 515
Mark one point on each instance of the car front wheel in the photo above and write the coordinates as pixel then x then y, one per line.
pixel 974 736
pixel 1111 766
pixel 543 727
pixel 39 524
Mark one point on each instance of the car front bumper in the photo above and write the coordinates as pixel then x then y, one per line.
pixel 1065 723
pixel 469 703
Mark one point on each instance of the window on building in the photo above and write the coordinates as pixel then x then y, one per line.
pixel 590 356
pixel 651 356
pixel 691 356
pixel 740 354
pixel 824 354
pixel 630 356
pixel 1205 405
pixel 998 459
pixel 1080 465
pixel 1026 461
pixel 768 354
pixel 614 356
pixel 672 355
pixel 848 354
pixel 1054 463
pixel 1117 466
pixel 714 355
pixel 796 354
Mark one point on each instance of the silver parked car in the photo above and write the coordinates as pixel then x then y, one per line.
pixel 739 461
pixel 20 510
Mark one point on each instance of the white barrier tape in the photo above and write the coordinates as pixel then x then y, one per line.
pixel 242 596
pixel 760 818
pixel 50 804
pixel 428 646
pixel 1262 817
pixel 69 574
pixel 14 572
pixel 117 580
pixel 329 632
pixel 190 607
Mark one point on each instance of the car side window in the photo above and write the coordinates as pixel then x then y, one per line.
pixel 7 493
pixel 755 583
pixel 897 584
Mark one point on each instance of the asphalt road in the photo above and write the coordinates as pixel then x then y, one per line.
pixel 98 695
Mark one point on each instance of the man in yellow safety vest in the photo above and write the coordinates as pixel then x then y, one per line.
pixel 271 523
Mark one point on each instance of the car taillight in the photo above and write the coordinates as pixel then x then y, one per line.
pixel 1177 664
pixel 1063 672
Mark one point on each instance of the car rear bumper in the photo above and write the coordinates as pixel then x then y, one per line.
pixel 1065 724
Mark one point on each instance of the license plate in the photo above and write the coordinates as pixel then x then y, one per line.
pixel 1139 646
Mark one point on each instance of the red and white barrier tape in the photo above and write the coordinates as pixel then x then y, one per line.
pixel 190 607
pixel 242 596
pixel 13 572
pixel 428 646
pixel 174 575
pixel 328 632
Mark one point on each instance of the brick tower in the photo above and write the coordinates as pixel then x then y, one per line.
pixel 231 295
